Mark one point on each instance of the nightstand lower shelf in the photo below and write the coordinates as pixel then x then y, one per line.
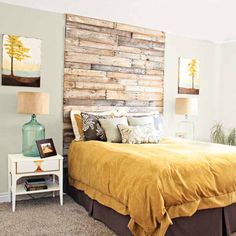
pixel 52 187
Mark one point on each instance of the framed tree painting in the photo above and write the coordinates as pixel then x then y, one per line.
pixel 21 61
pixel 188 76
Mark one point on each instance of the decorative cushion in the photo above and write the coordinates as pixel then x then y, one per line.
pixel 76 128
pixel 111 129
pixel 156 120
pixel 79 123
pixel 92 128
pixel 144 120
pixel 138 134
pixel 158 123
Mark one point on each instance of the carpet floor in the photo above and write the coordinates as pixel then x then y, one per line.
pixel 45 217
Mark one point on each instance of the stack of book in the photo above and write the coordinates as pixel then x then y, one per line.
pixel 35 184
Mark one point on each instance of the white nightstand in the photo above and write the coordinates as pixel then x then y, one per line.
pixel 20 166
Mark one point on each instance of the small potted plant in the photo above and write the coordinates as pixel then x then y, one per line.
pixel 218 135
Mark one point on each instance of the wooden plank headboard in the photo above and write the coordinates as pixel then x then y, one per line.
pixel 110 64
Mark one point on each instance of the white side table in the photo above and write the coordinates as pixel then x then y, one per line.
pixel 20 166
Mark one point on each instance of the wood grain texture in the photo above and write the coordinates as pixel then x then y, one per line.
pixel 109 65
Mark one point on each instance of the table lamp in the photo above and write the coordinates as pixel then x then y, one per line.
pixel 186 107
pixel 34 103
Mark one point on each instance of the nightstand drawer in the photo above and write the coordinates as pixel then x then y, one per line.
pixel 37 166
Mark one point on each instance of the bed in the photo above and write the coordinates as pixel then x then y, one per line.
pixel 174 188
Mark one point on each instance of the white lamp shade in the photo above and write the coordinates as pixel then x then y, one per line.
pixel 33 103
pixel 186 106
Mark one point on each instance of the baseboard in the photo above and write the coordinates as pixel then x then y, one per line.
pixel 4 197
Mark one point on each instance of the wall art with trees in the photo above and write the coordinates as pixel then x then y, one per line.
pixel 188 76
pixel 21 61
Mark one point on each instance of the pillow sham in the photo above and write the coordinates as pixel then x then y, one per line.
pixel 159 125
pixel 138 134
pixel 92 128
pixel 79 127
pixel 76 128
pixel 144 120
pixel 156 120
pixel 111 129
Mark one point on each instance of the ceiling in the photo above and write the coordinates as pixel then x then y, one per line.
pixel 212 20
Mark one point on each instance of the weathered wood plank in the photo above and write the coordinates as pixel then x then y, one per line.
pixel 127 49
pixel 152 58
pixel 69 84
pixel 99 86
pixel 76 65
pixel 70 42
pixel 144 89
pixel 139 56
pixel 111 103
pixel 91 36
pixel 155 72
pixel 92 79
pixel 160 38
pixel 120 95
pixel 100 29
pixel 150 96
pixel 89 21
pixel 86 43
pixel 121 75
pixel 88 50
pixel 141 30
pixel 155 83
pixel 97 59
pixel 85 94
pixel 159 76
pixel 81 72
pixel 153 52
pixel 118 69
pixel 127 55
pixel 138 43
pixel 108 103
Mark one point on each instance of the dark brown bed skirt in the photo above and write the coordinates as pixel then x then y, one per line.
pixel 210 222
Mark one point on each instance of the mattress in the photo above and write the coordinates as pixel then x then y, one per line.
pixel 154 183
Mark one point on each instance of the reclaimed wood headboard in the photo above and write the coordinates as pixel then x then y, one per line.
pixel 110 64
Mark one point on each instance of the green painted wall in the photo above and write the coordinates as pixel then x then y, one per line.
pixel 49 27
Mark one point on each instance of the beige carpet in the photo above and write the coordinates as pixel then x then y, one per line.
pixel 45 217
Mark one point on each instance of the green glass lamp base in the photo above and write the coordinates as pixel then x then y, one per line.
pixel 31 132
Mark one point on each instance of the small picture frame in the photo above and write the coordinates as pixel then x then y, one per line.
pixel 46 148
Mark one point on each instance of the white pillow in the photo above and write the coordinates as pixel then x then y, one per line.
pixel 140 120
pixel 142 113
pixel 74 123
pixel 111 130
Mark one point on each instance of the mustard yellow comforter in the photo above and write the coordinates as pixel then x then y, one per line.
pixel 154 183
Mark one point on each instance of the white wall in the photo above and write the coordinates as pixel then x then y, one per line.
pixel 227 86
pixel 208 54
pixel 49 27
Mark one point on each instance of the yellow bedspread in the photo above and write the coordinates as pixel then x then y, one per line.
pixel 154 183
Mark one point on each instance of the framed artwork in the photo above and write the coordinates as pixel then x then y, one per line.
pixel 188 81
pixel 21 61
pixel 46 148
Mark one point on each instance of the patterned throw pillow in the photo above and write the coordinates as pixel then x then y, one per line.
pixel 92 128
pixel 138 134
pixel 144 120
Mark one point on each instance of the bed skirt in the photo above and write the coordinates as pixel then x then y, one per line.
pixel 209 222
